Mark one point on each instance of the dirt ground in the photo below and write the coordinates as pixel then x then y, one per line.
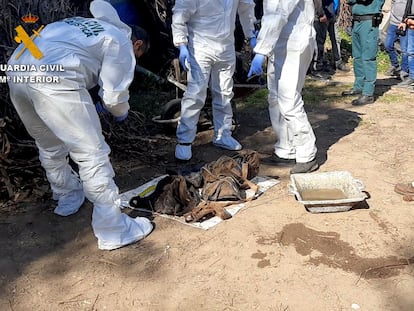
pixel 273 255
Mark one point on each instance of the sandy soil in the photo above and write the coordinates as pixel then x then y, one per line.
pixel 273 255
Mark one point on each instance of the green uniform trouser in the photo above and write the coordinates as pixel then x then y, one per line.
pixel 364 53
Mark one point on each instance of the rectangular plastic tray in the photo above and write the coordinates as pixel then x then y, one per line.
pixel 337 180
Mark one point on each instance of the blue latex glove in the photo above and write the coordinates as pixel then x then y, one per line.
pixel 100 109
pixel 336 5
pixel 253 42
pixel 121 118
pixel 256 67
pixel 184 54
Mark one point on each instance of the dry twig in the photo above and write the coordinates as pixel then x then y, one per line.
pixel 407 263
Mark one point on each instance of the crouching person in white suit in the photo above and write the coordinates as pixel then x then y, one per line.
pixel 63 120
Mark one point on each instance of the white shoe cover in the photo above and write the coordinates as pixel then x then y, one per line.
pixel 135 229
pixel 227 142
pixel 69 203
pixel 183 152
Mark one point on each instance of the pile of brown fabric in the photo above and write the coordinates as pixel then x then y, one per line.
pixel 205 193
pixel 173 195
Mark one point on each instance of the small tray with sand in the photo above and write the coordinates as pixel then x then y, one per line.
pixel 326 192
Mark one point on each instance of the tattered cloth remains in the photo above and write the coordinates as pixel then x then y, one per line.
pixel 204 194
pixel 173 195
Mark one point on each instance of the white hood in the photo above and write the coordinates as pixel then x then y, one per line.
pixel 106 12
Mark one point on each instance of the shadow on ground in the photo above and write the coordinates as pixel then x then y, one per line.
pixel 331 126
pixel 34 238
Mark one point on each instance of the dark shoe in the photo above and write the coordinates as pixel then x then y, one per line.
pixel 330 70
pixel 277 161
pixel 393 71
pixel 351 92
pixel 407 83
pixel 306 167
pixel 363 100
pixel 319 75
pixel 343 67
pixel 404 189
pixel 319 66
pixel 404 75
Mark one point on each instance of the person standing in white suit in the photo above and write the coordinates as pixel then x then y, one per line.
pixel 63 120
pixel 287 38
pixel 204 33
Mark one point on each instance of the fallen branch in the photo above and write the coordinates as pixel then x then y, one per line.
pixel 93 305
pixel 71 300
pixel 6 180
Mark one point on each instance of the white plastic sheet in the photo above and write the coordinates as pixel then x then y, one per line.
pixel 264 183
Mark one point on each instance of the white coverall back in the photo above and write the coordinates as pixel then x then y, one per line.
pixel 207 27
pixel 62 119
pixel 287 37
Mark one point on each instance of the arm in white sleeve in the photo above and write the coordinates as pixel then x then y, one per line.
pixel 182 12
pixel 247 18
pixel 116 75
pixel 275 17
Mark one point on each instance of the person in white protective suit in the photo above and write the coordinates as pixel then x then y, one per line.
pixel 63 120
pixel 287 38
pixel 204 33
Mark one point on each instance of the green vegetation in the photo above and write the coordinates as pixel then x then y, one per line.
pixel 315 94
pixel 257 99
pixel 383 61
pixel 323 94
pixel 346 47
pixel 148 96
pixel 319 94
pixel 346 52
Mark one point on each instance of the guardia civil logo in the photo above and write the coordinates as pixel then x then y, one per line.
pixel 23 37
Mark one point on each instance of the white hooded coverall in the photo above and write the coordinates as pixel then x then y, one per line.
pixel 287 37
pixel 62 119
pixel 207 27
